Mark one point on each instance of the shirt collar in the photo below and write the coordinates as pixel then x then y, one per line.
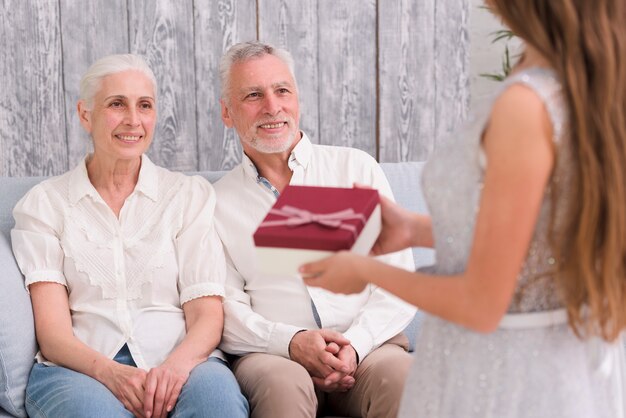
pixel 80 186
pixel 300 156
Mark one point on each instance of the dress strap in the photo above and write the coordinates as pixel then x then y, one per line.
pixel 545 83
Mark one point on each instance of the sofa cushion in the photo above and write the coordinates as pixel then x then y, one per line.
pixel 17 334
pixel 404 179
pixel 11 190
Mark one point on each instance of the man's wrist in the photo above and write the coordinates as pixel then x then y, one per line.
pixel 280 339
pixel 290 341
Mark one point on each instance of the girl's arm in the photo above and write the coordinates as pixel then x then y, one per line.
pixel 520 155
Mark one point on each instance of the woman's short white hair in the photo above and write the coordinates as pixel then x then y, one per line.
pixel 111 64
pixel 245 51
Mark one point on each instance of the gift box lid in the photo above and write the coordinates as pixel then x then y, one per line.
pixel 316 218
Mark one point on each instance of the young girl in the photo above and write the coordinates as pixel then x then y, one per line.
pixel 527 299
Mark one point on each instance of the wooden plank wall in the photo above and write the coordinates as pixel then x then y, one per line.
pixel 386 76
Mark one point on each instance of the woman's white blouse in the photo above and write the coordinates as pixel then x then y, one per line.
pixel 126 278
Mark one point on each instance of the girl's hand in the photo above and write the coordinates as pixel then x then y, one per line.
pixel 339 273
pixel 399 227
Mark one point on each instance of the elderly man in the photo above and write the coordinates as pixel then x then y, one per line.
pixel 301 349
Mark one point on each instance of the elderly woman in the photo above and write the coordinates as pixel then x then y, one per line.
pixel 124 270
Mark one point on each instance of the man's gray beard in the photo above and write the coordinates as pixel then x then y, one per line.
pixel 271 148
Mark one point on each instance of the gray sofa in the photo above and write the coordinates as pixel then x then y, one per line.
pixel 17 336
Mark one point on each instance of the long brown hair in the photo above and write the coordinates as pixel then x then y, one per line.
pixel 585 42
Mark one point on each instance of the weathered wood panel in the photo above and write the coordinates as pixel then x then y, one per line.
pixel 91 30
pixel 347 73
pixel 451 66
pixel 292 24
pixel 32 120
pixel 389 77
pixel 162 31
pixel 218 25
pixel 406 33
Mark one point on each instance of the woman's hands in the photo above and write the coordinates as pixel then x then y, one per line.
pixel 146 394
pixel 204 321
pixel 162 388
pixel 127 384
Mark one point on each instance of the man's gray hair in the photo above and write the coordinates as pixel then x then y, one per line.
pixel 245 51
pixel 111 64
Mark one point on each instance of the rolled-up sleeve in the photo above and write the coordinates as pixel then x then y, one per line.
pixel 202 268
pixel 35 238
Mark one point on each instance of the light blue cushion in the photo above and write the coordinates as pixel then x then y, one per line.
pixel 17 334
pixel 404 179
pixel 11 190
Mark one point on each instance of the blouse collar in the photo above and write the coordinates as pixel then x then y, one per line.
pixel 80 186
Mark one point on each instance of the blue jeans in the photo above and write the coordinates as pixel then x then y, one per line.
pixel 52 391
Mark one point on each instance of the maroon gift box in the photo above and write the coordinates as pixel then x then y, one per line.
pixel 308 223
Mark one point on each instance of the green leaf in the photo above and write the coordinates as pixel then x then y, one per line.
pixel 493 77
pixel 502 34
pixel 499 35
